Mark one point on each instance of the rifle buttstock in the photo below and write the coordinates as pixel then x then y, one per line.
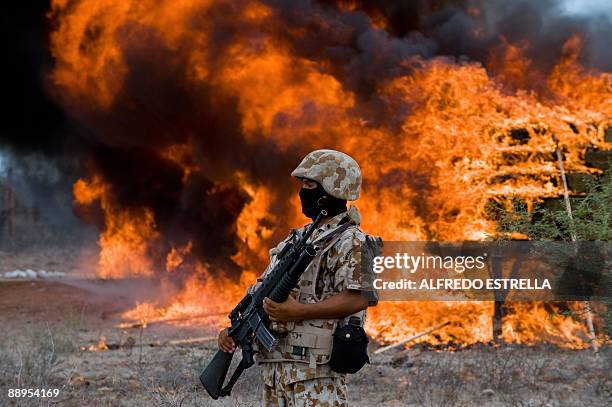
pixel 213 375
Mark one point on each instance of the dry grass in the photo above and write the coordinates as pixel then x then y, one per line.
pixel 167 376
pixel 37 359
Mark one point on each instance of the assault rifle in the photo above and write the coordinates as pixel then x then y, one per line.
pixel 248 318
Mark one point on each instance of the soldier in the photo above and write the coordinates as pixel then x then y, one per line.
pixel 331 290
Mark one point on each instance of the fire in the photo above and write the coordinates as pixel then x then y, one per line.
pixel 176 256
pixel 580 90
pixel 437 141
pixel 101 345
pixel 508 61
pixel 470 322
pixel 191 304
pixel 182 154
pixel 529 323
pixel 263 80
pixel 128 234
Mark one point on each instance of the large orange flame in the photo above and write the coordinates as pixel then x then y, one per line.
pixel 429 178
pixel 128 234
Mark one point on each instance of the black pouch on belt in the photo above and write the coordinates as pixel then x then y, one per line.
pixel 350 348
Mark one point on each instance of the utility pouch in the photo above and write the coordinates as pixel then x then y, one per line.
pixel 350 348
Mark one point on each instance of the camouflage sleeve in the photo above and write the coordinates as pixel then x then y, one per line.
pixel 352 270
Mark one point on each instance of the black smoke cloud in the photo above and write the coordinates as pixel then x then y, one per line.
pixel 38 145
pixel 31 120
pixel 364 55
pixel 473 28
pixel 157 107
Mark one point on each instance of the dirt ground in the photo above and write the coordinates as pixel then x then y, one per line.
pixel 48 327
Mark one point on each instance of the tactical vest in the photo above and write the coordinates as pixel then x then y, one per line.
pixel 310 341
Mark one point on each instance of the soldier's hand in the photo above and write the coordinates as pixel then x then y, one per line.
pixel 226 343
pixel 289 310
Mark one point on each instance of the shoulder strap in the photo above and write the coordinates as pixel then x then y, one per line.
pixel 329 234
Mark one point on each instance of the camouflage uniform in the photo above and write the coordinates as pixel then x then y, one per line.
pixel 321 391
pixel 304 378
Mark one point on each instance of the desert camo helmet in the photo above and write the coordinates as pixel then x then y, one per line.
pixel 338 173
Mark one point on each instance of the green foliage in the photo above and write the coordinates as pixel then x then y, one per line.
pixel 592 221
pixel 592 217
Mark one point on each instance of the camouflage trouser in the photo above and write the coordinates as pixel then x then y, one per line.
pixel 319 392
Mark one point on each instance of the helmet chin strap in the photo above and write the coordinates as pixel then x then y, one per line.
pixel 331 205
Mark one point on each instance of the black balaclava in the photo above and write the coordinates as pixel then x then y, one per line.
pixel 316 199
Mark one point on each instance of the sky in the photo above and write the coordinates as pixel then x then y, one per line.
pixel 603 7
